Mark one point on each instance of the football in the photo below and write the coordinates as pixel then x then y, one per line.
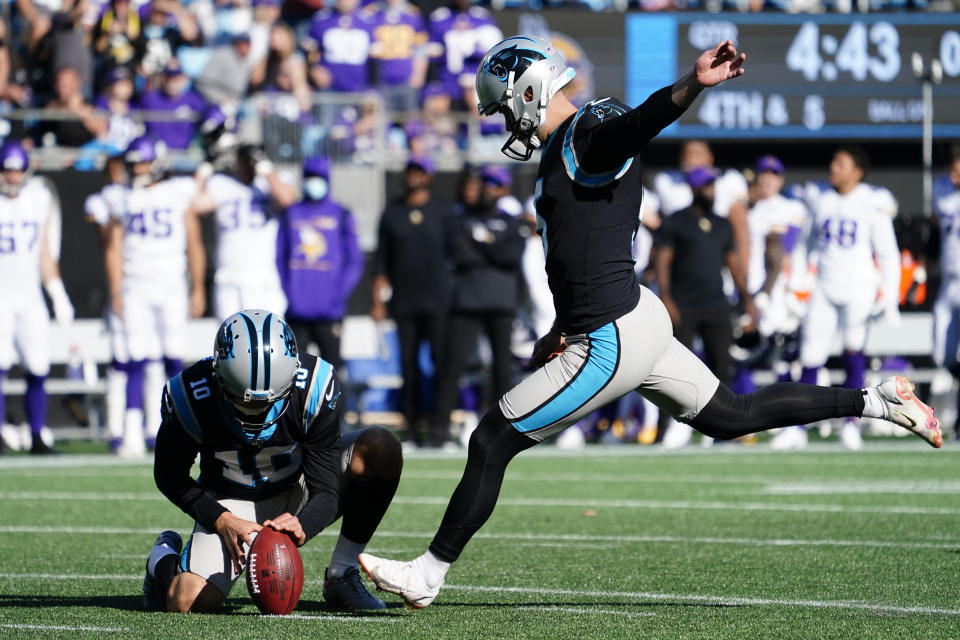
pixel 274 572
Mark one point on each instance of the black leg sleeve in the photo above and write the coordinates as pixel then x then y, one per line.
pixel 494 443
pixel 166 570
pixel 729 415
pixel 365 495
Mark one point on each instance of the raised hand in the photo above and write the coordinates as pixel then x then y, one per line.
pixel 721 63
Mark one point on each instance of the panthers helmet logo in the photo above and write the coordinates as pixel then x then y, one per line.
pixel 225 343
pixel 512 59
pixel 289 342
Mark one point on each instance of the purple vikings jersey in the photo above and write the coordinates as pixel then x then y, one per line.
pixel 177 134
pixel 460 40
pixel 397 34
pixel 343 41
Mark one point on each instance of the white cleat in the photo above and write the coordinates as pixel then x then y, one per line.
pixel 789 438
pixel 677 436
pixel 850 436
pixel 571 439
pixel 902 407
pixel 406 579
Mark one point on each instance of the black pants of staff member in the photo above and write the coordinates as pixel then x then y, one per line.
pixel 412 330
pixel 324 333
pixel 716 331
pixel 462 333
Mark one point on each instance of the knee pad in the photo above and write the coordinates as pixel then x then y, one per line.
pixel 381 452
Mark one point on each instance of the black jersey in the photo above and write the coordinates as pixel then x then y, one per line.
pixel 305 440
pixel 588 198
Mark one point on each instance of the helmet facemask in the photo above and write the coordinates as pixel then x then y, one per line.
pixel 253 411
pixel 523 140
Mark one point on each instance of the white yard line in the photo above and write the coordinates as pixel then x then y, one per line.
pixel 82 495
pixel 860 487
pixel 50 627
pixel 593 503
pixel 321 618
pixel 81 530
pixel 543 539
pixel 695 505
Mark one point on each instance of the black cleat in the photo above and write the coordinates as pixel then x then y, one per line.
pixel 347 593
pixel 169 539
pixel 40 448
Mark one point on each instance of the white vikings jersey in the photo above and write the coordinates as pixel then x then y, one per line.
pixel 154 233
pixel 675 194
pixel 771 215
pixel 97 206
pixel 643 239
pixel 847 232
pixel 22 221
pixel 946 206
pixel 246 232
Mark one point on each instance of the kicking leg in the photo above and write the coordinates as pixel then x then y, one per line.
pixel 493 444
pixel 729 415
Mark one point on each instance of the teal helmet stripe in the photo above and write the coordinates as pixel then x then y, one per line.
pixel 266 351
pixel 254 350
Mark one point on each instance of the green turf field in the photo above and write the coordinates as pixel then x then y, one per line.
pixel 612 543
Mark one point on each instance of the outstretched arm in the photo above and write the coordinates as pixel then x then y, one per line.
pixel 616 140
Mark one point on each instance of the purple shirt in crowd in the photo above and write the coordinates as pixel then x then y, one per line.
pixel 398 33
pixel 177 135
pixel 343 41
pixel 319 259
pixel 464 36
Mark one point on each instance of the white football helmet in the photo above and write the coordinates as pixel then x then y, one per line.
pixel 517 68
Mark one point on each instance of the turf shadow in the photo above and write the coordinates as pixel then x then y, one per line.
pixel 318 606
pixel 123 603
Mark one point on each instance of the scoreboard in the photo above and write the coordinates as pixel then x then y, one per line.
pixel 807 76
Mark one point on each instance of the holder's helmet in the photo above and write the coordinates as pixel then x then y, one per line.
pixel 517 78
pixel 255 361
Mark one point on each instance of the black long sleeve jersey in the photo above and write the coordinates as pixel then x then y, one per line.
pixel 588 198
pixel 304 440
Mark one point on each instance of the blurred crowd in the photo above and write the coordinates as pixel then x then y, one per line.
pixel 96 73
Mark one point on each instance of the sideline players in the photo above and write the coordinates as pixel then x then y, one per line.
pixel 265 420
pixel 946 308
pixel 154 244
pixel 775 223
pixel 29 211
pixel 611 336
pixel 852 233
pixel 97 208
pixel 245 204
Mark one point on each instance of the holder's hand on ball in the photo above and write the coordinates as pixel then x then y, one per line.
pixel 236 532
pixel 288 524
